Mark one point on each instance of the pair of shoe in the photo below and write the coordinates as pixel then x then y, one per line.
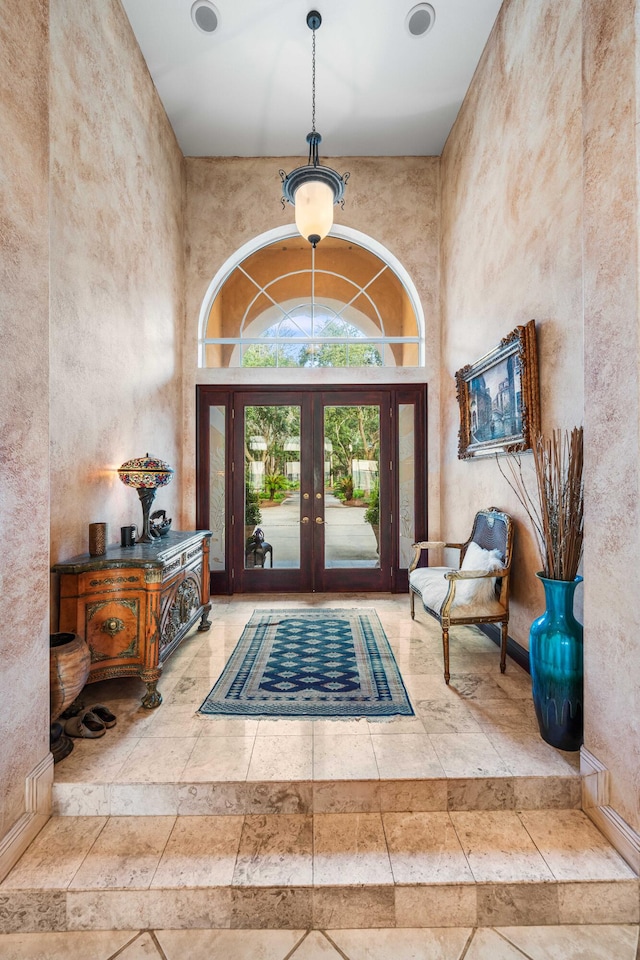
pixel 90 724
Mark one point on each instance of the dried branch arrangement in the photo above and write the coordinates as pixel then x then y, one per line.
pixel 557 515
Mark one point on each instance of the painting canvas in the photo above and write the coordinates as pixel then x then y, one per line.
pixel 499 397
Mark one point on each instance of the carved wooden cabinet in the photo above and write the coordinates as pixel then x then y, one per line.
pixel 135 604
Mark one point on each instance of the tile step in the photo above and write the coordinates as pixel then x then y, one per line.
pixel 319 908
pixel 298 871
pixel 302 797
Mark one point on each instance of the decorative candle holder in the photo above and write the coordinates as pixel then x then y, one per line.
pixel 97 539
pixel 146 474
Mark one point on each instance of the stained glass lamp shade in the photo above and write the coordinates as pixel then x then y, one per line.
pixel 146 474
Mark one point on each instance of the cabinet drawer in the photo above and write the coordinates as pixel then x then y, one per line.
pixel 104 581
pixel 187 559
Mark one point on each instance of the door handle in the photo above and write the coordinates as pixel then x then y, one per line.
pixel 305 520
pixel 319 520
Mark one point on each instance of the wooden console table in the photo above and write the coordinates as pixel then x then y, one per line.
pixel 135 604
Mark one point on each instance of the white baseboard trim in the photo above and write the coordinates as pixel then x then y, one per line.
pixel 595 781
pixel 37 801
pixel 618 833
pixel 595 803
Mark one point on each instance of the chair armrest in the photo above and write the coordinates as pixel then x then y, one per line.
pixel 454 575
pixel 434 544
pixel 430 545
pixel 473 574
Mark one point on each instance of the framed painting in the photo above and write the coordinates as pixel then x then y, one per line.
pixel 499 397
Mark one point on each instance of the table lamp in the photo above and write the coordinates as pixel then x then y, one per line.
pixel 146 474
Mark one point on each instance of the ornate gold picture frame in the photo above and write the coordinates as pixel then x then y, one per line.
pixel 499 397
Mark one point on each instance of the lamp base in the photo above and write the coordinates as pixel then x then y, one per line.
pixel 147 496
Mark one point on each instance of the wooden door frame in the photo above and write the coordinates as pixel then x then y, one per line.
pixel 223 395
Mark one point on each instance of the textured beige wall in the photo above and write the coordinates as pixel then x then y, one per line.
pixel 24 385
pixel 117 280
pixel 612 407
pixel 92 317
pixel 512 250
pixel 394 200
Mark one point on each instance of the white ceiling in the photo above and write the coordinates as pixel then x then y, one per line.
pixel 245 90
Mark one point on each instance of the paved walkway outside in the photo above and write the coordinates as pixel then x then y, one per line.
pixel 349 541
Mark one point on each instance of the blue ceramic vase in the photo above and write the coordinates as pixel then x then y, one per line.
pixel 556 661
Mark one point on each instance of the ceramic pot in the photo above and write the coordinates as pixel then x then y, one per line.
pixel 69 663
pixel 556 661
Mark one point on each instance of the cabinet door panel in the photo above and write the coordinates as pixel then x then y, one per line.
pixel 113 628
pixel 180 606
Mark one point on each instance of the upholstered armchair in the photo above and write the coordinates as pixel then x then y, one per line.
pixel 477 592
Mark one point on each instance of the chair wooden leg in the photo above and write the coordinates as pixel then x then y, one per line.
pixel 504 627
pixel 413 610
pixel 445 651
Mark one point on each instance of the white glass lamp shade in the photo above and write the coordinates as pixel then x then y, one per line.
pixel 314 209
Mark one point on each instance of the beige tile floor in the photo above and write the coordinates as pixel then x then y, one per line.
pixel 617 942
pixel 462 777
pixel 410 869
pixel 481 726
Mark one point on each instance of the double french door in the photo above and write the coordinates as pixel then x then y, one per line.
pixel 311 489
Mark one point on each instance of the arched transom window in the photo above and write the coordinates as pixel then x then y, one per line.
pixel 288 305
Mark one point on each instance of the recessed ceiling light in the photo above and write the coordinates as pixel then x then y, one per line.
pixel 420 19
pixel 205 16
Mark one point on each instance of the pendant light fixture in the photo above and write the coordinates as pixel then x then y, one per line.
pixel 313 190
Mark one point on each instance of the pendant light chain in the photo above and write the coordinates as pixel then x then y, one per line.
pixel 313 189
pixel 313 83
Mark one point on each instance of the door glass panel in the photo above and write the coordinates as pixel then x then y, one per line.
pixel 406 482
pixel 272 486
pixel 351 478
pixel 217 430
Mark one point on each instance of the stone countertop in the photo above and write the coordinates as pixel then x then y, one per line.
pixel 139 555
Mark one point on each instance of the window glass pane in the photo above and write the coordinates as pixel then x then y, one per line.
pixel 217 431
pixel 351 471
pixel 289 326
pixel 291 354
pixel 259 355
pixel 406 482
pixel 365 355
pixel 272 486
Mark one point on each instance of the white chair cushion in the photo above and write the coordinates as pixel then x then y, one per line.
pixel 430 584
pixel 481 592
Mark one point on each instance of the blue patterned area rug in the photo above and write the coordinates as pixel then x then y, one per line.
pixel 304 663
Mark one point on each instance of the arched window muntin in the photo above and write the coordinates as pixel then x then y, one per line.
pixel 359 331
pixel 250 328
pixel 314 271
